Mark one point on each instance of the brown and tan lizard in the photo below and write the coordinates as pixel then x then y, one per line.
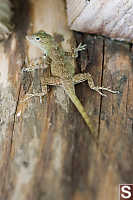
pixel 62 71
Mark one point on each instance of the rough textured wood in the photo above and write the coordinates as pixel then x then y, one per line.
pixel 114 122
pixel 111 18
pixel 46 151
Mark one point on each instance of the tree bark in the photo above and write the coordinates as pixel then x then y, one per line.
pixel 46 151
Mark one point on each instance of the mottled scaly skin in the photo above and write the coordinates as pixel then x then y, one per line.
pixel 62 71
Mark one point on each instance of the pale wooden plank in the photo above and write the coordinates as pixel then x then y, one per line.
pixel 109 18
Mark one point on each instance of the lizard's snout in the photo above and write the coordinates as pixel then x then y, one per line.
pixel 28 37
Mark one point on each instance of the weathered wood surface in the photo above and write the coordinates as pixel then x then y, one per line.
pixel 111 18
pixel 46 151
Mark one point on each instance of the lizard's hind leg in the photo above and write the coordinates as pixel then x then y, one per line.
pixel 39 94
pixel 78 78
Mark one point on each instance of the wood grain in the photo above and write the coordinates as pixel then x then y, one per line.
pixel 46 151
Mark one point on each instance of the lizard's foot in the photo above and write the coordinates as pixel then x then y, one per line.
pixel 37 63
pixel 79 48
pixel 106 89
pixel 74 52
pixel 29 96
pixel 37 94
pixel 30 69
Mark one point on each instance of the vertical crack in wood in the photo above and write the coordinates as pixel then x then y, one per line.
pixel 130 51
pixel 130 47
pixel 14 119
pixel 99 121
pixel 127 94
pixel 25 19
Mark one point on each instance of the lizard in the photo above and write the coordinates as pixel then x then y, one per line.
pixel 62 71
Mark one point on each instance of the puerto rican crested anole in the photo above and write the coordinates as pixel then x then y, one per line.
pixel 62 71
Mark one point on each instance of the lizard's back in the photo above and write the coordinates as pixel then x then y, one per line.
pixel 61 65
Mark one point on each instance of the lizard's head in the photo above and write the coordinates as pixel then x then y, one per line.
pixel 40 39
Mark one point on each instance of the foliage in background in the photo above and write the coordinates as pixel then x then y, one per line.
pixel 6 14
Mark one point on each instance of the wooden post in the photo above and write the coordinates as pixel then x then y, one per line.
pixel 46 151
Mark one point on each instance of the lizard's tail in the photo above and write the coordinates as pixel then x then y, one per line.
pixel 80 108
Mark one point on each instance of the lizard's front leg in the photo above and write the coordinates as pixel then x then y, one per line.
pixel 38 63
pixel 78 78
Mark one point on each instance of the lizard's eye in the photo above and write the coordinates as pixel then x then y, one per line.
pixel 37 38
